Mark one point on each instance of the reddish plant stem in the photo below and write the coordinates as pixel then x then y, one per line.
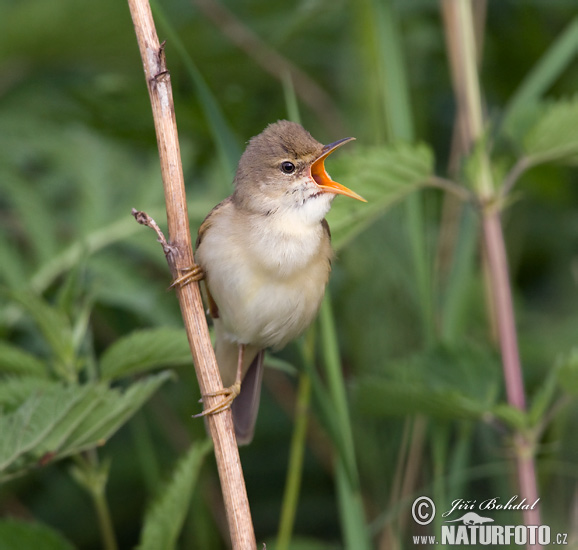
pixel 461 37
pixel 503 308
pixel 504 313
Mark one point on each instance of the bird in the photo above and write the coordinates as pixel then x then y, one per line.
pixel 265 255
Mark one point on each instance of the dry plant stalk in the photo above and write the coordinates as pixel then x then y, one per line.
pixel 179 254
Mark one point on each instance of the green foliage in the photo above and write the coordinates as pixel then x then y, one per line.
pixel 164 520
pixel 84 309
pixel 382 176
pixel 144 350
pixel 458 383
pixel 56 330
pixel 60 420
pixel 22 535
pixel 568 373
pixel 553 136
pixel 15 360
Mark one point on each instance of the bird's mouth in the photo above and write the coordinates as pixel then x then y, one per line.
pixel 323 179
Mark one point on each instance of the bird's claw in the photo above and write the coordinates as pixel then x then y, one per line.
pixel 188 275
pixel 229 394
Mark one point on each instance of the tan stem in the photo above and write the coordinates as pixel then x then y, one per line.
pixel 180 256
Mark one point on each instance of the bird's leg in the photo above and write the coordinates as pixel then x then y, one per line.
pixel 229 393
pixel 188 275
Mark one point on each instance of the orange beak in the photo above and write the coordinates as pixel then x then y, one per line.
pixel 322 178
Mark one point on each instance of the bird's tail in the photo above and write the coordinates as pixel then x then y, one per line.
pixel 246 405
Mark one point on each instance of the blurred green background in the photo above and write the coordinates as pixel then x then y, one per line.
pixel 419 357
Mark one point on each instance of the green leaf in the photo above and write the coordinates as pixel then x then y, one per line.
pixel 553 137
pixel 24 535
pixel 14 360
pixel 379 397
pixel 57 420
pixel 446 383
pixel 165 519
pixel 56 330
pixel 544 395
pixel 14 270
pixel 382 175
pixel 14 390
pixel 24 430
pixel 35 217
pixel 144 350
pixel 568 373
pixel 512 416
pixel 113 409
pixel 80 410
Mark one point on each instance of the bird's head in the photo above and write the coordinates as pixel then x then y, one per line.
pixel 282 170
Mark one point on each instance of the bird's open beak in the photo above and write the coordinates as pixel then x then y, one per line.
pixel 323 179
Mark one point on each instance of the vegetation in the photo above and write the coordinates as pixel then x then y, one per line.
pixel 403 372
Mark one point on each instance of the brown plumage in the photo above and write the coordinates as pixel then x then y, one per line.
pixel 266 255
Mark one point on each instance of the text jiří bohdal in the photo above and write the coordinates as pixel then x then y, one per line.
pixel 491 504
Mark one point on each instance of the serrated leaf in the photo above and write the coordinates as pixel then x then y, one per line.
pixel 14 360
pixel 443 382
pixel 553 137
pixel 15 390
pixel 24 535
pixel 382 175
pixel 144 350
pixel 56 440
pixel 24 429
pixel 57 421
pixel 113 410
pixel 165 519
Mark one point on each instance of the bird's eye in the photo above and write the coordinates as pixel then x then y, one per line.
pixel 287 167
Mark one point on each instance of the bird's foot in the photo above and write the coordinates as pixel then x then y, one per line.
pixel 228 395
pixel 188 275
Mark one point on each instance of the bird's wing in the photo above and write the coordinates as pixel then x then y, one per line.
pixel 208 221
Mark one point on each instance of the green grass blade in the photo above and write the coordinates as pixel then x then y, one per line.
pixel 227 143
pixel 552 64
pixel 347 477
pixel 395 90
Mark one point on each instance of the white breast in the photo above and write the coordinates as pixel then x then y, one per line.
pixel 266 276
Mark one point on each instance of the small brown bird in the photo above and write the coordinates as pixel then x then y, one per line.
pixel 265 255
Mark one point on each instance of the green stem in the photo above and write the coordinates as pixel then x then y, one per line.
pixel 472 97
pixel 295 469
pixel 104 520
pixel 336 384
pixel 349 497
pixel 93 477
